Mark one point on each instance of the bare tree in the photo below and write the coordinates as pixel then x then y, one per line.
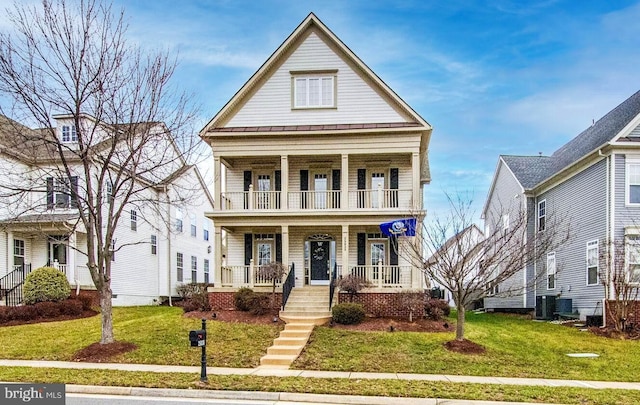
pixel 412 301
pixel 273 272
pixel 455 254
pixel 352 284
pixel 618 273
pixel 128 126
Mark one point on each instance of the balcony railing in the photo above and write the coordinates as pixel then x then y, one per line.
pixel 316 200
pixel 246 276
pixel 384 276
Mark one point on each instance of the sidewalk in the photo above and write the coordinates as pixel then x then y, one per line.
pixel 281 372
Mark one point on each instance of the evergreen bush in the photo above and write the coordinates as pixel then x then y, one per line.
pixel 348 313
pixel 45 284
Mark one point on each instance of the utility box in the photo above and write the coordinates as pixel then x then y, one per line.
pixel 198 338
pixel 564 305
pixel 545 306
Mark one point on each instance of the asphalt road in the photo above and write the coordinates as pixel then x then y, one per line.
pixel 91 399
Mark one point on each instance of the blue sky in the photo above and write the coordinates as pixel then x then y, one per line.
pixel 492 77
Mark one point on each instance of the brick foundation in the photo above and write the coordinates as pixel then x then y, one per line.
pixel 381 304
pixel 224 300
pixel 632 318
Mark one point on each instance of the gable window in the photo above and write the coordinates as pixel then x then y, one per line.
pixel 551 270
pixel 542 215
pixel 62 193
pixel 194 269
pixel 592 262
pixel 206 271
pixel 633 258
pixel 69 133
pixel 18 252
pixel 178 226
pixel 134 220
pixel 314 90
pixel 633 183
pixel 154 244
pixel 505 223
pixel 179 266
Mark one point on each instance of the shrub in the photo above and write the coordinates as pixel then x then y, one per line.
pixel 45 284
pixel 195 297
pixel 412 301
pixel 72 306
pixel 258 304
pixel 25 313
pixel 348 313
pixel 241 298
pixel 85 300
pixel 352 285
pixel 47 309
pixel 436 309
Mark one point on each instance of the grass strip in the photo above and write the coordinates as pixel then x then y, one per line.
pixel 390 388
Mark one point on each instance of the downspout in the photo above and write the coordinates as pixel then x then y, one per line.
pixel 168 224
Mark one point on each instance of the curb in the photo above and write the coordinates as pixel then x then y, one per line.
pixel 271 396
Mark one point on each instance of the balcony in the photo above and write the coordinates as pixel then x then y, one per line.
pixel 316 200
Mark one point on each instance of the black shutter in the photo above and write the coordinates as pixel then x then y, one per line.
pixel 247 183
pixel 362 185
pixel 278 184
pixel 304 186
pixel 335 186
pixel 393 252
pixel 49 192
pixel 393 185
pixel 278 247
pixel 362 253
pixel 74 192
pixel 248 248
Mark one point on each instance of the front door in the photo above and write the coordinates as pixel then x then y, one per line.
pixel 320 262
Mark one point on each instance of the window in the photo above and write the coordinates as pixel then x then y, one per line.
pixel 69 133
pixel 493 284
pixel 206 271
pixel 113 250
pixel 542 215
pixel 633 183
pixel 592 262
pixel 193 225
pixel 18 252
pixel 551 270
pixel 62 193
pixel 633 258
pixel 205 229
pixel 178 220
pixel 194 269
pixel 314 91
pixel 179 267
pixel 505 222
pixel 154 244
pixel 134 220
pixel 109 191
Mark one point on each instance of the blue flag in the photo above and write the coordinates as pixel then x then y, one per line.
pixel 399 227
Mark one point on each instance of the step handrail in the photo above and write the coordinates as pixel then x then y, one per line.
pixel 288 285
pixel 332 283
pixel 13 295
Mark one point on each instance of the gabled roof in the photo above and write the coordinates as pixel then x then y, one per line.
pixel 292 42
pixel 531 171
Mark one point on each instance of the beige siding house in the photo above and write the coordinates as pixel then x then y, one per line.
pixel 311 155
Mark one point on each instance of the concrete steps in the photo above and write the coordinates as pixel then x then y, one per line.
pixel 306 308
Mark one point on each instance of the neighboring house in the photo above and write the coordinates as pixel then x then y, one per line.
pixel 457 262
pixel 311 155
pixel 157 246
pixel 592 182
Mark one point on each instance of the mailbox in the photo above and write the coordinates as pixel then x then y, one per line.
pixel 198 338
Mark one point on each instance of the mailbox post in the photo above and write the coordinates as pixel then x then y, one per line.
pixel 198 338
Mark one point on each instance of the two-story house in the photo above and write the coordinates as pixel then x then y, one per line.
pixel 311 155
pixel 592 182
pixel 158 244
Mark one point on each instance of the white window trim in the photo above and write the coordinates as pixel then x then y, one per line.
pixel 72 134
pixel 313 75
pixel 634 161
pixel 542 216
pixel 554 273
pixel 591 244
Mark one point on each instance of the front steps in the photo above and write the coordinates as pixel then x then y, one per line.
pixel 306 308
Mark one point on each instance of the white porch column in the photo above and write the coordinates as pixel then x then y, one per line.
pixel 285 245
pixel 217 183
pixel 217 256
pixel 9 258
pixel 344 184
pixel 72 270
pixel 284 188
pixel 416 194
pixel 345 249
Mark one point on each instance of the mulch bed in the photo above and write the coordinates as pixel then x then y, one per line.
pixel 101 353
pixel 236 316
pixel 85 314
pixel 464 346
pixel 614 334
pixel 397 325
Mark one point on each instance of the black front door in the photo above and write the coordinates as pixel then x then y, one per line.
pixel 320 257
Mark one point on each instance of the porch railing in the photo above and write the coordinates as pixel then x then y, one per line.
pixel 314 200
pixel 380 198
pixel 245 276
pixel 11 285
pixel 382 276
pixel 288 285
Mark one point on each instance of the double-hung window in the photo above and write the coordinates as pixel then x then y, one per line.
pixel 592 262
pixel 179 267
pixel 633 182
pixel 633 258
pixel 205 229
pixel 134 220
pixel 69 134
pixel 18 252
pixel 193 225
pixel 551 271
pixel 314 89
pixel 206 271
pixel 542 215
pixel 178 226
pixel 154 244
pixel 194 269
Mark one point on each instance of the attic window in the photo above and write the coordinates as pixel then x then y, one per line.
pixel 314 90
pixel 69 133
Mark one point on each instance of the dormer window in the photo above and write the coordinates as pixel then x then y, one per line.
pixel 314 89
pixel 69 133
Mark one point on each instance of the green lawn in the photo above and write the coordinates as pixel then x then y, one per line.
pixel 161 334
pixel 515 348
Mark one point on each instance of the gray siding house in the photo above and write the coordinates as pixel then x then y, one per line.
pixel 593 182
